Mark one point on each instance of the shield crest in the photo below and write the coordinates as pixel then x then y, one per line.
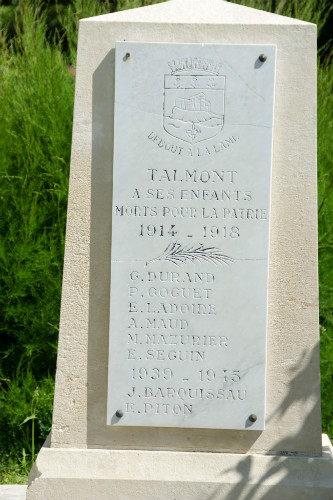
pixel 193 106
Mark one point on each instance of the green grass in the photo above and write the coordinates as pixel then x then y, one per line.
pixel 36 96
pixel 14 470
pixel 37 52
pixel 325 240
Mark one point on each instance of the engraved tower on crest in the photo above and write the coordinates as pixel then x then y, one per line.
pixel 194 100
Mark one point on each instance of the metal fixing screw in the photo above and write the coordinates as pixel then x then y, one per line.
pixel 253 417
pixel 127 56
pixel 119 413
pixel 262 58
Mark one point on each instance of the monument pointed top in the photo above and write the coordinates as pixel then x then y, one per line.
pixel 196 11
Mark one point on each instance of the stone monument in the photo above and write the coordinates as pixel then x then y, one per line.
pixel 188 362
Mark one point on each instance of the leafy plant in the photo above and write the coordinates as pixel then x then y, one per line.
pixel 22 401
pixel 14 469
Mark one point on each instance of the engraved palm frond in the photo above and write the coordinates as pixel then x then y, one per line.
pixel 179 254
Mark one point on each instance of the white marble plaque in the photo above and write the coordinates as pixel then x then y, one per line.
pixel 190 235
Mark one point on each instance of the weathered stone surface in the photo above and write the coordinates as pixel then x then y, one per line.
pixel 163 475
pixel 292 401
pixel 12 492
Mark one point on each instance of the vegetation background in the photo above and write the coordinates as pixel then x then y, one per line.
pixel 38 51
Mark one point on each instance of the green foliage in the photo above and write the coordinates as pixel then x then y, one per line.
pixel 25 411
pixel 14 469
pixel 313 11
pixel 37 56
pixel 36 97
pixel 133 4
pixel 325 190
pixel 326 371
pixel 25 420
pixel 325 240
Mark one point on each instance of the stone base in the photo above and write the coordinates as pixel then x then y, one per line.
pixel 81 474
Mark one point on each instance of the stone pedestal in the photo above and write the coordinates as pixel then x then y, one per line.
pixel 169 475
pixel 88 459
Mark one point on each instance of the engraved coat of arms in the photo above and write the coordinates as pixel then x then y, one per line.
pixel 193 100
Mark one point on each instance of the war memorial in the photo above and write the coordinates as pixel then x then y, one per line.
pixel 188 363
